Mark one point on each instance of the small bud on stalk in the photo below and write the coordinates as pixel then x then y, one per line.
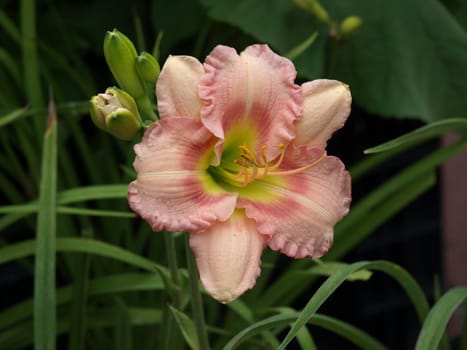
pixel 115 112
pixel 349 26
pixel 147 67
pixel 120 54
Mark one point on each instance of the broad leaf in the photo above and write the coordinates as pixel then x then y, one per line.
pixel 409 58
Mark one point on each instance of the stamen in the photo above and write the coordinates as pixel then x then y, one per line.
pixel 252 170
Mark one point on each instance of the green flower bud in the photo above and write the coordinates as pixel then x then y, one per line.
pixel 120 54
pixel 350 25
pixel 315 8
pixel 115 112
pixel 147 67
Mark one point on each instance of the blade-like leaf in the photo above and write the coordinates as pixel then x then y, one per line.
pixel 422 134
pixel 437 320
pixel 12 116
pixel 409 285
pixel 345 330
pixel 44 264
pixel 187 328
pixel 100 286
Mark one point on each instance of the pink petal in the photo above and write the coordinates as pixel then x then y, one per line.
pixel 301 212
pixel 172 191
pixel 326 106
pixel 228 256
pixel 177 87
pixel 256 89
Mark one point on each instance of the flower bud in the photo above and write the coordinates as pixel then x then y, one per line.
pixel 115 112
pixel 147 67
pixel 315 8
pixel 350 25
pixel 120 54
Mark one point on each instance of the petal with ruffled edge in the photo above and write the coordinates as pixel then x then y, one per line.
pixel 228 256
pixel 255 89
pixel 326 106
pixel 172 190
pixel 298 214
pixel 177 87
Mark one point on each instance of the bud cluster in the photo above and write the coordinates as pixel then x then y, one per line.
pixel 118 111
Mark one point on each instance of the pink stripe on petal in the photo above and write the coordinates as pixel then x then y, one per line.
pixel 177 87
pixel 228 256
pixel 173 191
pixel 300 219
pixel 255 88
pixel 326 107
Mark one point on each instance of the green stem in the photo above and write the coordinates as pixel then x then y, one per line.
pixel 171 256
pixel 30 59
pixel 145 108
pixel 196 301
pixel 173 267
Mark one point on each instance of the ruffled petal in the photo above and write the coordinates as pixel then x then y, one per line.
pixel 299 213
pixel 228 256
pixel 326 106
pixel 173 191
pixel 177 87
pixel 254 89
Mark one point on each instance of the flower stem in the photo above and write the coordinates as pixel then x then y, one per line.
pixel 171 256
pixel 173 267
pixel 196 302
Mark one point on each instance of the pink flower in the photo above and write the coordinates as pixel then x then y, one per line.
pixel 238 161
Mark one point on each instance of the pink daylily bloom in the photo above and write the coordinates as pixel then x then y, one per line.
pixel 238 161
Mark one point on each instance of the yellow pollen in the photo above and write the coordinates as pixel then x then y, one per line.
pixel 252 170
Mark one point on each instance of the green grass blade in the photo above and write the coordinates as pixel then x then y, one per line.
pixel 343 329
pixel 119 283
pixel 305 339
pixel 95 212
pixel 12 116
pixel 30 58
pixel 347 331
pixel 20 336
pixel 11 66
pixel 9 27
pixel 392 148
pixel 422 134
pixel 44 268
pixel 123 326
pixel 438 317
pixel 258 327
pixel 81 194
pixel 80 287
pixel 409 285
pixel 82 245
pixel 187 327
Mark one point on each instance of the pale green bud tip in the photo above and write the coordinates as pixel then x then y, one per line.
pixel 147 67
pixel 115 112
pixel 315 8
pixel 120 54
pixel 350 25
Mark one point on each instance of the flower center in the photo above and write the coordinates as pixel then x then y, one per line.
pixel 249 168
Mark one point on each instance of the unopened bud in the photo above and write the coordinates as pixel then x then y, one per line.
pixel 350 25
pixel 147 67
pixel 315 8
pixel 120 54
pixel 115 112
